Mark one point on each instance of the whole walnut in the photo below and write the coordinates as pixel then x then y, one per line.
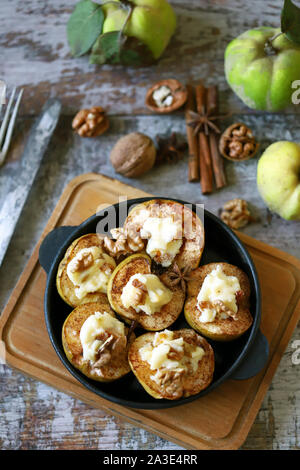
pixel 133 155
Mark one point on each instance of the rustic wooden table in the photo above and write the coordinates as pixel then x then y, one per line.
pixel 35 55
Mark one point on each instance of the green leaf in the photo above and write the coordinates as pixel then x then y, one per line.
pixel 84 26
pixel 290 21
pixel 134 52
pixel 114 48
pixel 106 49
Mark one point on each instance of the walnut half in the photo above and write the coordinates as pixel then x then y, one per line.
pixel 90 122
pixel 171 381
pixel 123 243
pixel 235 214
pixel 82 262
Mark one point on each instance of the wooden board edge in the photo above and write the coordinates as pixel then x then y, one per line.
pixel 271 250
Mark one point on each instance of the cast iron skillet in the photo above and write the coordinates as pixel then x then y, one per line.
pixel 240 359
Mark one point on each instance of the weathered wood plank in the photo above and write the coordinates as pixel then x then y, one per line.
pixel 35 54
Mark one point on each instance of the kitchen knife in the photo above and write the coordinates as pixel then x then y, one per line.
pixel 17 182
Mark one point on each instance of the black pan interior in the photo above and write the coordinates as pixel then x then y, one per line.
pixel 221 245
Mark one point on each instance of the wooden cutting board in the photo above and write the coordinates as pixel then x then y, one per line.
pixel 219 420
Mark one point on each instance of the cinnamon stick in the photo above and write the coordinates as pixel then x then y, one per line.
pixel 217 161
pixel 193 165
pixel 205 164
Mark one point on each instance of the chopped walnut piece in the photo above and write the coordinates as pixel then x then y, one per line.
pixel 103 360
pixel 90 122
pixel 141 295
pixel 235 213
pixel 119 344
pixel 139 285
pixel 236 148
pixel 103 353
pixel 238 143
pixel 220 308
pixel 102 336
pixel 171 381
pixel 175 354
pixel 239 296
pixel 241 131
pixel 135 244
pixel 84 261
pixel 106 344
pixel 122 243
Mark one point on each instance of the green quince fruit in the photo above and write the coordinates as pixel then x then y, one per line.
pixel 152 22
pixel 278 179
pixel 261 70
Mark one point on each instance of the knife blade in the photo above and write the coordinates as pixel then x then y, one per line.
pixel 16 183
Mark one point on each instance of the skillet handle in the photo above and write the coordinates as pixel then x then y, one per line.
pixel 255 360
pixel 51 244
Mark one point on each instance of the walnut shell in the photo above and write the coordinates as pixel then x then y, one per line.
pixel 133 155
pixel 237 143
pixel 178 92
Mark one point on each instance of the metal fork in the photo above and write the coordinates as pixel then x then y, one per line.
pixel 8 123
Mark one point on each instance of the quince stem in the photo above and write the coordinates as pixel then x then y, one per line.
pixel 269 47
pixel 128 7
pixel 275 36
pixel 108 2
pixel 125 5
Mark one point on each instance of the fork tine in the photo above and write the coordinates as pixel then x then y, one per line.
pixel 10 128
pixel 6 117
pixel 2 102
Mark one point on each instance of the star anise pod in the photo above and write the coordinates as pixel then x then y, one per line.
pixel 169 149
pixel 203 121
pixel 177 275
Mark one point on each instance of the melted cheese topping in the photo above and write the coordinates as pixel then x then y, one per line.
pixel 218 286
pixel 93 326
pixel 95 277
pixel 164 238
pixel 157 294
pixel 156 354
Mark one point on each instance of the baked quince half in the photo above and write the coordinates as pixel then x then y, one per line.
pixel 137 294
pixel 217 304
pixel 172 364
pixel 95 342
pixel 171 232
pixel 84 271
